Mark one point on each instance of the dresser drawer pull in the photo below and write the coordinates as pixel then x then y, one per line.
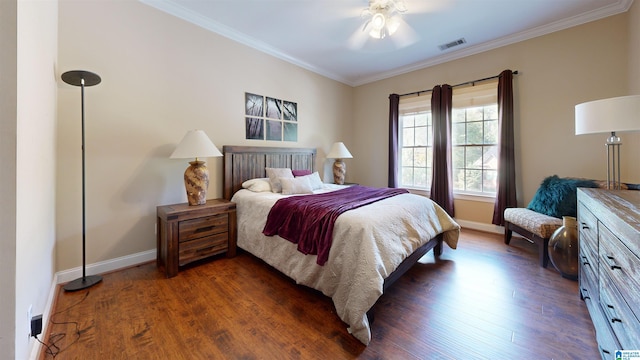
pixel 585 261
pixel 585 226
pixel 204 229
pixel 611 317
pixel 585 294
pixel 612 263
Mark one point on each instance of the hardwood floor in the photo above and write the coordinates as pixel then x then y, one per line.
pixel 485 300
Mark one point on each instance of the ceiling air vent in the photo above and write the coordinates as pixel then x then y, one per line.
pixel 449 45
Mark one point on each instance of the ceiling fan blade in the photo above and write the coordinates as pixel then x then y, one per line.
pixel 357 40
pixel 405 35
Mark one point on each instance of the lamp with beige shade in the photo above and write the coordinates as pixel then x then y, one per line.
pixel 339 151
pixel 196 144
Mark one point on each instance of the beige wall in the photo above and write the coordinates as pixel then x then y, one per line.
pixel 556 72
pixel 8 126
pixel 161 76
pixel 634 51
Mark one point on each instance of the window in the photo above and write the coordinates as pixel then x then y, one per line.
pixel 474 132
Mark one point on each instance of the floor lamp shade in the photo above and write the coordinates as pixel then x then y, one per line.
pixel 196 144
pixel 339 151
pixel 82 79
pixel 612 115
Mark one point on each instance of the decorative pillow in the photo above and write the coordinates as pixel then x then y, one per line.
pixel 257 185
pixel 275 174
pixel 297 173
pixel 557 196
pixel 299 185
pixel 314 180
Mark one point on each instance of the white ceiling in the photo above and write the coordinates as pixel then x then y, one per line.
pixel 318 34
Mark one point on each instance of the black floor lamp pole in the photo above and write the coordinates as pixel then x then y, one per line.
pixel 82 78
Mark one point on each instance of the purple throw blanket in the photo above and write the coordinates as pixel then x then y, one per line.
pixel 308 220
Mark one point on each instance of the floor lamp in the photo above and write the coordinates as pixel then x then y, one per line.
pixel 609 116
pixel 82 78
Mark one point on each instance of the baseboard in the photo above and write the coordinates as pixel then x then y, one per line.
pixel 106 266
pixel 481 226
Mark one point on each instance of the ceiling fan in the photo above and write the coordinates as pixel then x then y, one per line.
pixel 383 18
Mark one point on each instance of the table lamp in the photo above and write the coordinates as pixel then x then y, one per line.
pixel 196 144
pixel 609 116
pixel 339 151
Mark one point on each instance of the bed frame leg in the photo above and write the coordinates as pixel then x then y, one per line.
pixel 437 250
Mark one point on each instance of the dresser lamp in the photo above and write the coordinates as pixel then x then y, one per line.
pixel 339 151
pixel 609 116
pixel 196 144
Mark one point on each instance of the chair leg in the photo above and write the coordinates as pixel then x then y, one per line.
pixel 507 233
pixel 544 252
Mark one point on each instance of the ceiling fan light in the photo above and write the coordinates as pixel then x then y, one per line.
pixel 393 24
pixel 378 21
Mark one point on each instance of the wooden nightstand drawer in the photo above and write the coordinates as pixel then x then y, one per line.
pixel 203 247
pixel 205 226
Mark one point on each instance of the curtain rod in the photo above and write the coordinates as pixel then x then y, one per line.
pixel 461 84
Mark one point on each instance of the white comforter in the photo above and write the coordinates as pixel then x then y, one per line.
pixel 368 244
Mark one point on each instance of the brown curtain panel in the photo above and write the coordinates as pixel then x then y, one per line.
pixel 394 101
pixel 506 190
pixel 441 181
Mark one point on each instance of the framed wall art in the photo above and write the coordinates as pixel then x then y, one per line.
pixel 268 118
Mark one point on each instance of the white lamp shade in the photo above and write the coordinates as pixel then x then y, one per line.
pixel 608 115
pixel 195 144
pixel 339 151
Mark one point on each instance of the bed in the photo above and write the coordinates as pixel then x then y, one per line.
pixel 372 247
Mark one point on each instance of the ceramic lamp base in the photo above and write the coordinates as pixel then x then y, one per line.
pixel 196 181
pixel 339 171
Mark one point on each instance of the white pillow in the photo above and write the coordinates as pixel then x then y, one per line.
pixel 314 180
pixel 275 174
pixel 257 185
pixel 299 185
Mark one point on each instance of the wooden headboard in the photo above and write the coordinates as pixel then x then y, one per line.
pixel 242 163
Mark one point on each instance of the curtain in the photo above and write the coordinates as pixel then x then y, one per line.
pixel 506 188
pixel 394 101
pixel 441 180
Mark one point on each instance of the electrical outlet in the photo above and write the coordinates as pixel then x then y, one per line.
pixel 29 317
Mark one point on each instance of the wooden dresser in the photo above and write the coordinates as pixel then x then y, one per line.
pixel 609 266
pixel 189 233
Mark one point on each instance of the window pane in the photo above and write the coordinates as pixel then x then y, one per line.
pixel 458 179
pixel 408 121
pixel 407 175
pixel 408 137
pixel 475 113
pixel 420 157
pixel 429 158
pixel 458 134
pixel 407 157
pixel 491 132
pixel 474 157
pixel 458 115
pixel 490 160
pixel 457 157
pixel 473 180
pixel 490 181
pixel 421 119
pixel 420 177
pixel 474 132
pixel 491 112
pixel 422 137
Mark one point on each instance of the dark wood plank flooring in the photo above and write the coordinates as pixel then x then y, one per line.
pixel 485 300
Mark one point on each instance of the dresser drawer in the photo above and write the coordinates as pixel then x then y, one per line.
pixel 620 317
pixel 622 266
pixel 202 247
pixel 588 276
pixel 587 227
pixel 204 226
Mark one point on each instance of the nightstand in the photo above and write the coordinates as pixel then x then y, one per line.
pixel 189 233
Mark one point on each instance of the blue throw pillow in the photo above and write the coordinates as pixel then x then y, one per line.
pixel 557 196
